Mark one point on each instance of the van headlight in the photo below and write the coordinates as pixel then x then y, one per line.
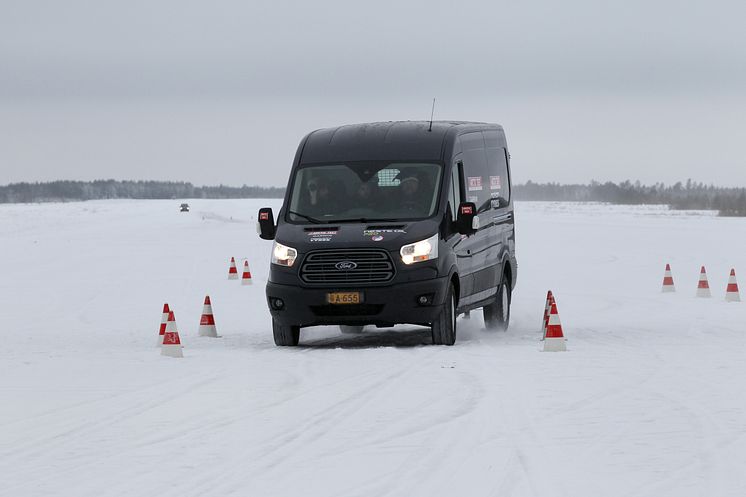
pixel 283 255
pixel 424 250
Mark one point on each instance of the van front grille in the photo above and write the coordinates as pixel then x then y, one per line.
pixel 347 267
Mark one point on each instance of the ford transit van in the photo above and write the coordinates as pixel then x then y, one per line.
pixel 390 223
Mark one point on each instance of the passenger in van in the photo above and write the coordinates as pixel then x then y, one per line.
pixel 413 197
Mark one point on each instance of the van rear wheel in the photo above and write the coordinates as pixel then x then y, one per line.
pixel 285 336
pixel 497 314
pixel 444 327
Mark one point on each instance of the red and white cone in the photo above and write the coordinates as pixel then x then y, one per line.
pixel 545 319
pixel 703 288
pixel 164 320
pixel 731 293
pixel 554 341
pixel 246 276
pixel 233 270
pixel 171 346
pixel 668 285
pixel 207 321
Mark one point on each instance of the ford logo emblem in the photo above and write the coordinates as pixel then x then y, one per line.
pixel 345 265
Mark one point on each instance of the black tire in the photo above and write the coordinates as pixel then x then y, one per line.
pixel 444 327
pixel 497 314
pixel 351 329
pixel 285 336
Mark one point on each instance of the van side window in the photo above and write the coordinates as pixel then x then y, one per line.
pixel 455 191
pixel 497 161
pixel 476 174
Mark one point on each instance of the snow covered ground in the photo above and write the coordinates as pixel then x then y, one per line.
pixel 650 399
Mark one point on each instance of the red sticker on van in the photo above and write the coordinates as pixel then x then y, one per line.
pixel 264 216
pixel 475 183
pixel 467 210
pixel 495 183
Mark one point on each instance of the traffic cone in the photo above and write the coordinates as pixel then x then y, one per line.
pixel 233 271
pixel 668 281
pixel 703 288
pixel 171 343
pixel 731 293
pixel 246 276
pixel 555 339
pixel 164 320
pixel 545 319
pixel 207 321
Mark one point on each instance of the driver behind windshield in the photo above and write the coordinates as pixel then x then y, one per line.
pixel 412 195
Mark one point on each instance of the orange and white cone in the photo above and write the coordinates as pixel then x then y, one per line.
pixel 703 288
pixel 731 293
pixel 207 321
pixel 554 341
pixel 246 276
pixel 233 270
pixel 545 319
pixel 668 285
pixel 164 320
pixel 171 346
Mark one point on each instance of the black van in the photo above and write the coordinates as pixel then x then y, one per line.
pixel 394 222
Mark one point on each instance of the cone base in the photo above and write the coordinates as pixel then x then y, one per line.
pixel 172 351
pixel 554 345
pixel 668 289
pixel 208 331
pixel 732 297
pixel 246 282
pixel 704 293
pixel 160 341
pixel 233 276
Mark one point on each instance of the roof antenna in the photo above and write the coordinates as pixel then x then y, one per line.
pixel 432 112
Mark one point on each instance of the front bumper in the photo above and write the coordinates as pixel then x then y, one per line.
pixel 382 305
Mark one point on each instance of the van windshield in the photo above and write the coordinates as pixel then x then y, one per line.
pixel 364 191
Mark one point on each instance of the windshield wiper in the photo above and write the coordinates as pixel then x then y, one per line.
pixel 309 218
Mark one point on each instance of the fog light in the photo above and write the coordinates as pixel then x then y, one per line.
pixel 277 304
pixel 425 299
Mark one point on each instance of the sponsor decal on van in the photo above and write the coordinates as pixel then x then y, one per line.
pixel 495 183
pixel 475 183
pixel 321 236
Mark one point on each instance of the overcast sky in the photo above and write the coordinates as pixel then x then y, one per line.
pixel 222 91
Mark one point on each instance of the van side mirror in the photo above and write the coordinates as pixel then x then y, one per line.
pixel 265 224
pixel 467 221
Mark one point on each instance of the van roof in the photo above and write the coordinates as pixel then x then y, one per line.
pixel 392 140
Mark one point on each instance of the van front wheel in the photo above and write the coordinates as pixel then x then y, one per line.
pixel 285 336
pixel 444 327
pixel 497 314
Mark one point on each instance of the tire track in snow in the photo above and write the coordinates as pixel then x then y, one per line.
pixel 61 436
pixel 276 453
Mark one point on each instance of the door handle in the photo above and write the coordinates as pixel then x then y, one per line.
pixel 503 217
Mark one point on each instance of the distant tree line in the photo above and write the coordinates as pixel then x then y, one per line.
pixel 680 196
pixel 689 195
pixel 61 191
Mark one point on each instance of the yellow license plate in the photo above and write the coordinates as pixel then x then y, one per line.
pixel 344 297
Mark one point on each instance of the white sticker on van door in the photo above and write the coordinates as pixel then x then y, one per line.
pixel 475 183
pixel 495 183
